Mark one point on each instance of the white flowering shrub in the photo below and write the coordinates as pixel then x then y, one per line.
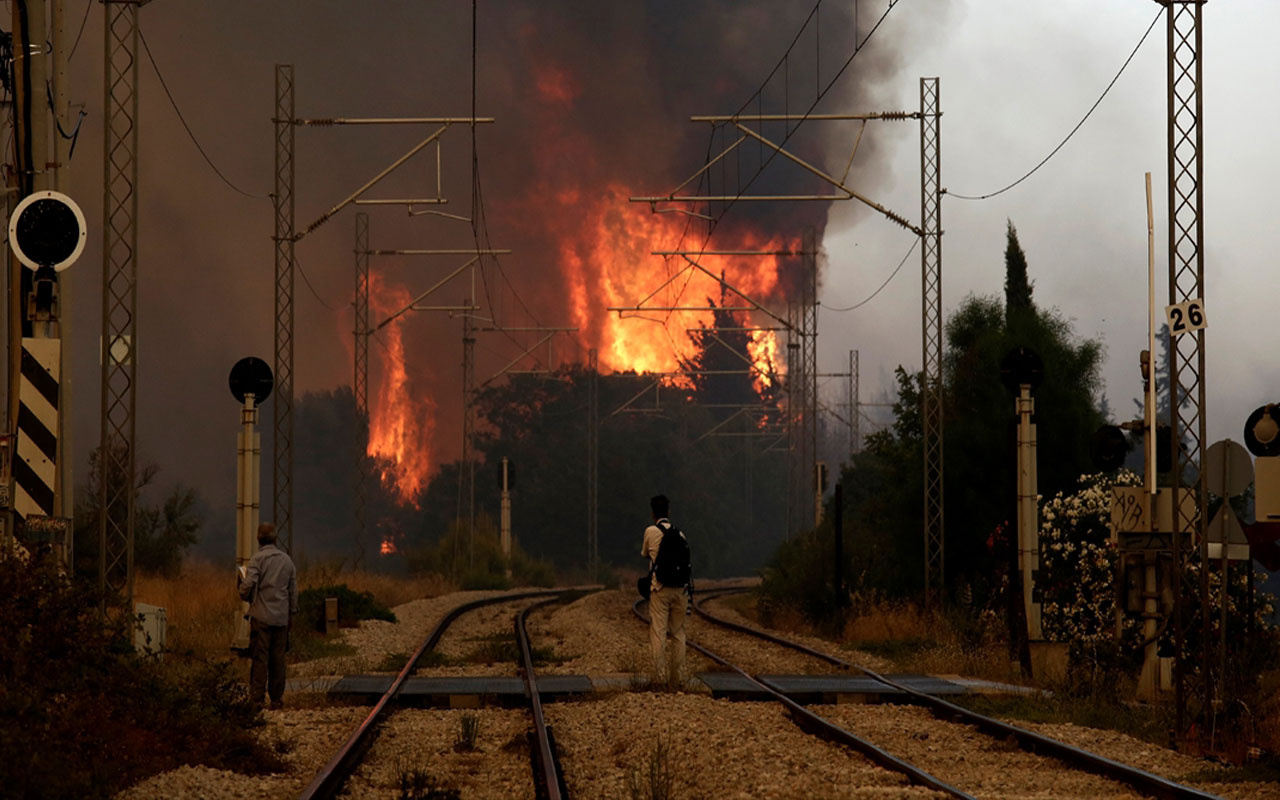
pixel 1078 562
pixel 1078 572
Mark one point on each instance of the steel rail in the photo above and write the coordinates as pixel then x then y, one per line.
pixel 820 726
pixel 1027 740
pixel 547 768
pixel 333 775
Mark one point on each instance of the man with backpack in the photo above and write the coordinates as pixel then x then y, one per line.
pixel 669 575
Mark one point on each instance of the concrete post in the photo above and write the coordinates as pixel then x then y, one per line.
pixel 1028 511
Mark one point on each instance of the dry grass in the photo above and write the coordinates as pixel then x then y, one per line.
pixel 891 621
pixel 925 640
pixel 201 602
pixel 200 606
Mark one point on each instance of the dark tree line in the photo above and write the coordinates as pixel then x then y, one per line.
pixel 883 485
pixel 727 492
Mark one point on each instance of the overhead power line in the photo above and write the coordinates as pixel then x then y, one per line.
pixel 88 4
pixel 896 269
pixel 316 294
pixel 183 120
pixel 820 96
pixel 1079 124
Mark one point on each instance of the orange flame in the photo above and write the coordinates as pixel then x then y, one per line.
pixel 400 424
pixel 607 262
pixel 388 547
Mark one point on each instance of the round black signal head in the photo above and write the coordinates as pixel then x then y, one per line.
pixel 251 376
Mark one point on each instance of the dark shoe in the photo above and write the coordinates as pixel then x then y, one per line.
pixel 276 705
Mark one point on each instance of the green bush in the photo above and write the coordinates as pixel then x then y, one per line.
pixel 476 561
pixel 82 715
pixel 799 577
pixel 353 606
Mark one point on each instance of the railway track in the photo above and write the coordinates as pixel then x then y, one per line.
pixel 333 776
pixel 813 723
pixel 1145 783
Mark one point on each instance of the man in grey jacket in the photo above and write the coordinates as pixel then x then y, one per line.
pixel 270 585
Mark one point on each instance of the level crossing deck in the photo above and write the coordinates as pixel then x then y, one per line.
pixel 472 692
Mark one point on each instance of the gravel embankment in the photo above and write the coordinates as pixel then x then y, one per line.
pixel 375 641
pixel 716 749
pixel 475 643
pixel 724 611
pixel 305 738
pixel 599 635
pixel 968 759
pixel 1152 758
pixel 424 740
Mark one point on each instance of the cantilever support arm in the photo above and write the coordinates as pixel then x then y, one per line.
pixel 528 351
pixel 351 198
pixel 695 265
pixel 635 397
pixel 423 296
pixel 898 218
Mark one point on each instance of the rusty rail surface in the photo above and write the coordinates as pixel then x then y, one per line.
pixel 329 781
pixel 1030 741
pixel 825 728
pixel 550 777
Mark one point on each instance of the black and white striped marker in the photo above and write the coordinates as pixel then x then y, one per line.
pixel 35 462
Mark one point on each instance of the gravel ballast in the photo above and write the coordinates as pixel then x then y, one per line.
pixel 716 748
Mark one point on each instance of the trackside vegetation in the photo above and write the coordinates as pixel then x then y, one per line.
pixel 82 715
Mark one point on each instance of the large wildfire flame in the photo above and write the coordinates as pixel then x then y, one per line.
pixel 609 263
pixel 605 246
pixel 602 247
pixel 400 423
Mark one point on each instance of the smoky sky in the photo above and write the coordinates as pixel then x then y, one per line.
pixel 586 95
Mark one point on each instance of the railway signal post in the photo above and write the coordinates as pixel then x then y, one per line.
pixel 506 480
pixel 46 234
pixel 1021 371
pixel 251 383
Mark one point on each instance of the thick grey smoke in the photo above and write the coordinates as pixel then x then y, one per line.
pixel 590 98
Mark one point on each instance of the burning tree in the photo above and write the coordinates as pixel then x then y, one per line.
pixel 727 369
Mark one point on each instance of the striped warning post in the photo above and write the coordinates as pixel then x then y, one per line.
pixel 36 460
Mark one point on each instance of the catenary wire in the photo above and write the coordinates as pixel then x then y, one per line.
pixel 307 281
pixel 88 4
pixel 857 48
pixel 1079 124
pixel 862 303
pixel 183 120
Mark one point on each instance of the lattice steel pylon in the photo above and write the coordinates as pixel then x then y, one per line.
pixel 931 315
pixel 467 470
pixel 855 421
pixel 285 238
pixel 360 382
pixel 809 377
pixel 116 500
pixel 593 462
pixel 797 475
pixel 1186 367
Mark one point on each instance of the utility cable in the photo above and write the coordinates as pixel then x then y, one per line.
pixel 757 96
pixel 910 250
pixel 298 265
pixel 88 4
pixel 183 120
pixel 1079 124
pixel 857 48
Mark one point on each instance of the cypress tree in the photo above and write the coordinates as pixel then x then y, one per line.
pixel 1017 288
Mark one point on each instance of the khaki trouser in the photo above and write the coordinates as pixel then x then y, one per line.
pixel 266 651
pixel 666 612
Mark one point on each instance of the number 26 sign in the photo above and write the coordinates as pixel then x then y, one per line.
pixel 1186 317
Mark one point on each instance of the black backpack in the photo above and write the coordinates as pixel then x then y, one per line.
pixel 671 566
